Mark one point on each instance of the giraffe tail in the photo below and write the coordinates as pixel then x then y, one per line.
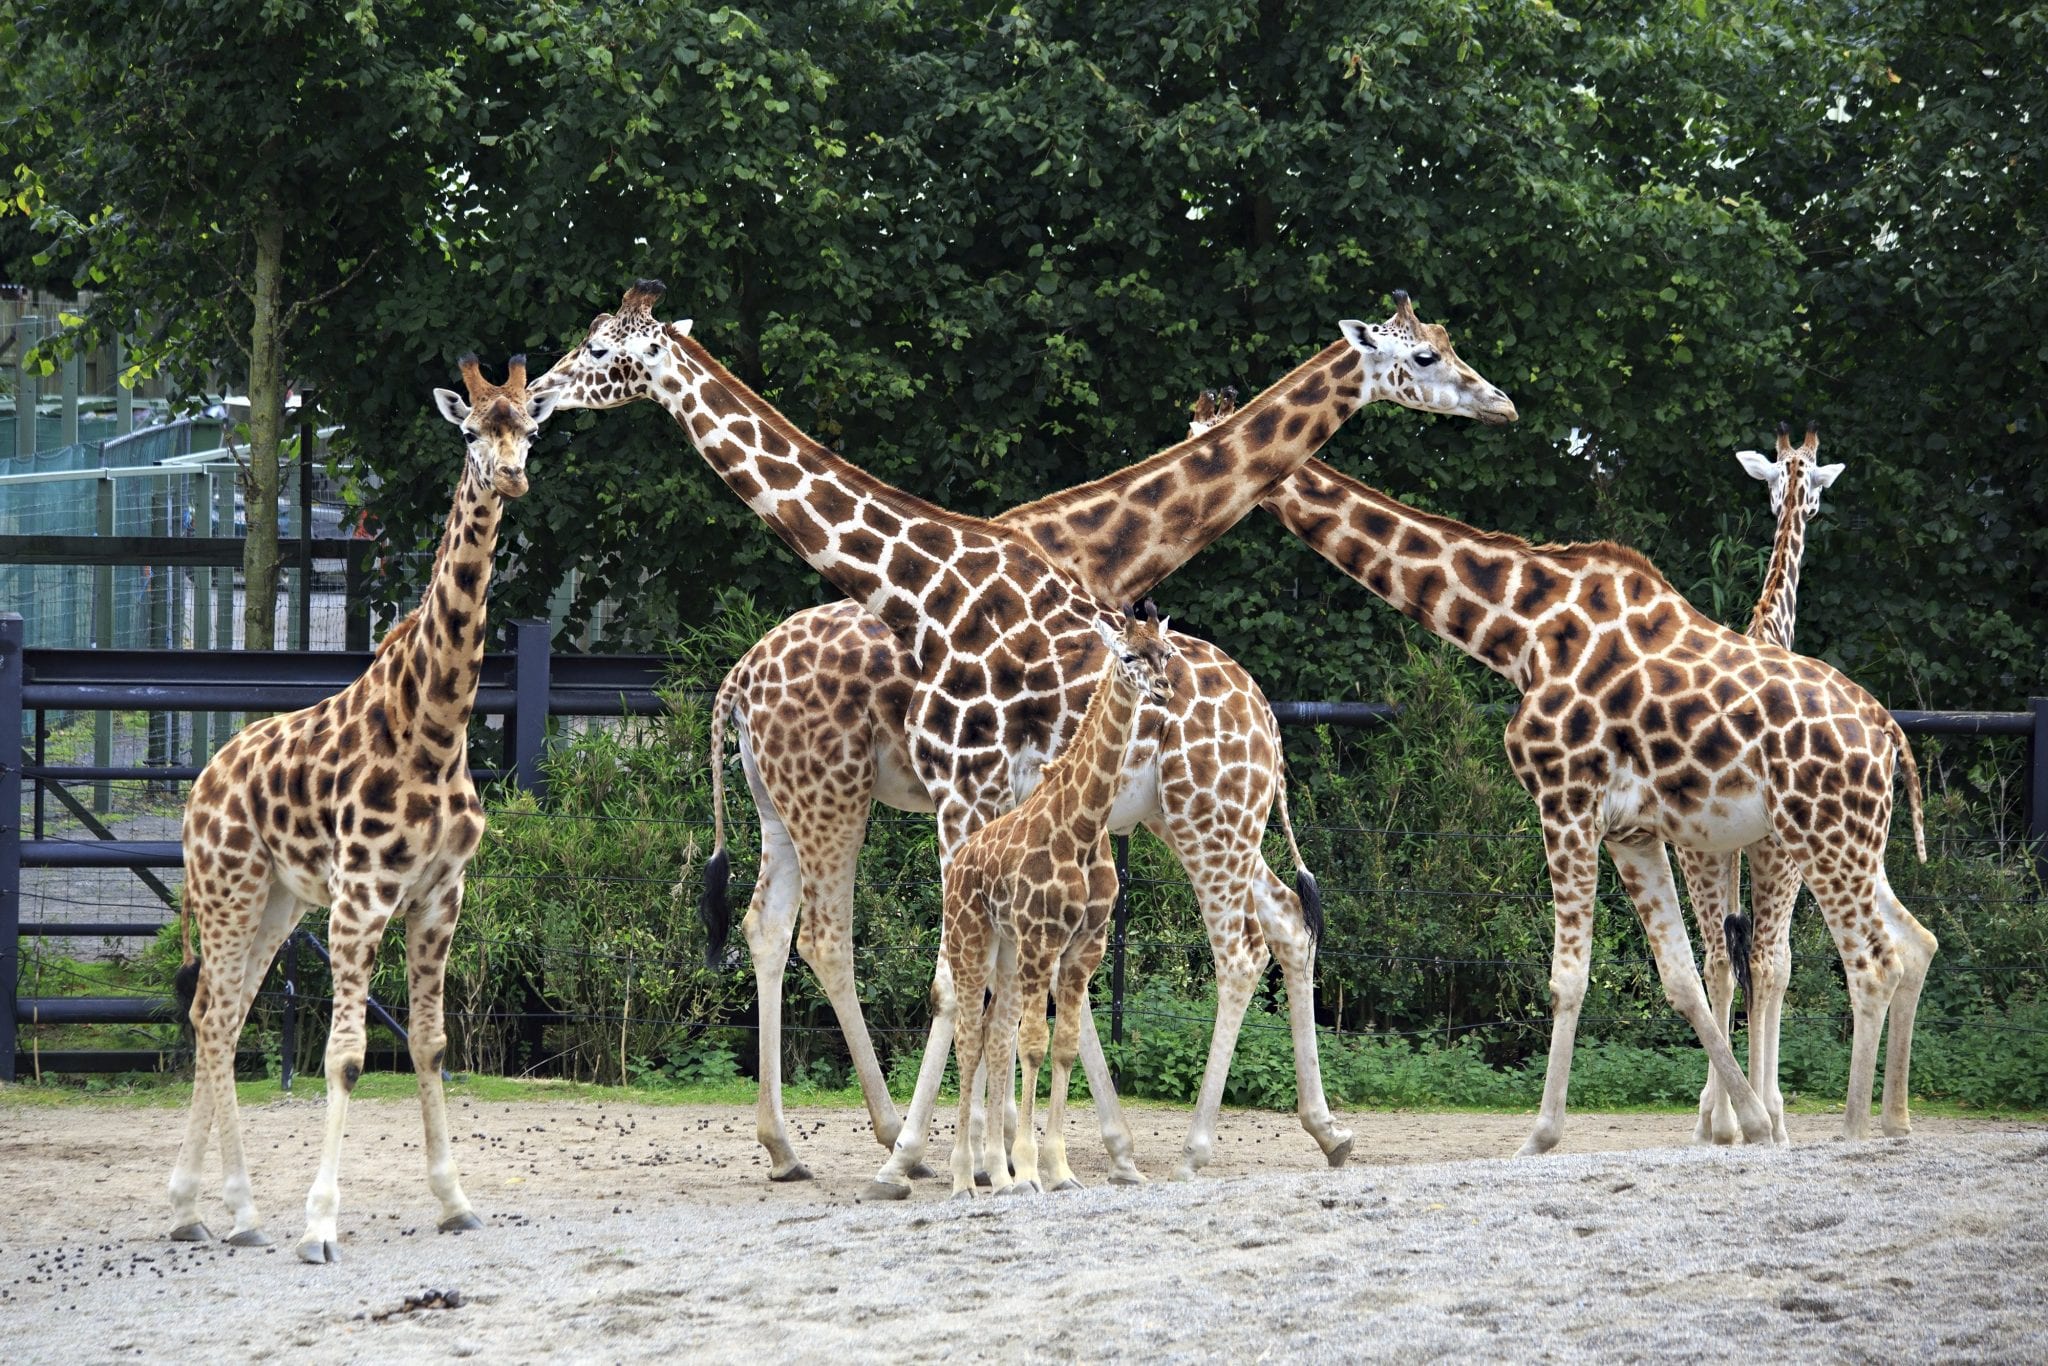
pixel 714 905
pixel 1736 931
pixel 1912 771
pixel 1304 881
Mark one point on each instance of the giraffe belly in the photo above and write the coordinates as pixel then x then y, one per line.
pixel 1634 808
pixel 896 785
pixel 1724 824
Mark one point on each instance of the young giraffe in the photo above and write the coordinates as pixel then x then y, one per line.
pixel 1712 879
pixel 819 704
pixel 999 616
pixel 1643 723
pixel 1027 904
pixel 363 803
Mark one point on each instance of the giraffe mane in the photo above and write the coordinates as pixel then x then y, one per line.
pixel 764 412
pixel 1273 394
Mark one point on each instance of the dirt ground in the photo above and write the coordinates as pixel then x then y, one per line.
pixel 630 1232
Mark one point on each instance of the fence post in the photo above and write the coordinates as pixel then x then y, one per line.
pixel 27 386
pixel 124 400
pixel 526 730
pixel 13 636
pixel 1120 921
pixel 305 641
pixel 2037 786
pixel 103 638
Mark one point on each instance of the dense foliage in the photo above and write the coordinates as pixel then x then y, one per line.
pixel 989 253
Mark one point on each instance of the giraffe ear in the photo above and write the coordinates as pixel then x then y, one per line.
pixel 680 327
pixel 1759 465
pixel 1355 332
pixel 453 406
pixel 538 406
pixel 1823 475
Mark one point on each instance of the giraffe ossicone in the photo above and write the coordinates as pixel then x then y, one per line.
pixel 362 803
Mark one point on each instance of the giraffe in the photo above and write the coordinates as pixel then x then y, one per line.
pixel 819 705
pixel 1712 879
pixel 1028 898
pixel 362 802
pixel 997 617
pixel 1643 723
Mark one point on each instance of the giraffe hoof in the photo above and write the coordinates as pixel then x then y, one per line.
pixel 194 1232
pixel 1128 1176
pixel 796 1171
pixel 963 1195
pixel 981 1178
pixel 249 1237
pixel 1072 1183
pixel 1340 1154
pixel 922 1172
pixel 1021 1188
pixel 318 1252
pixel 884 1190
pixel 465 1222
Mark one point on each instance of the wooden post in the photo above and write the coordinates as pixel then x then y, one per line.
pixel 26 389
pixel 306 434
pixel 124 402
pixel 67 406
pixel 202 603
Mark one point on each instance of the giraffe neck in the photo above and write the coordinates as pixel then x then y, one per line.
pixel 909 562
pixel 1120 535
pixel 1080 785
pixel 433 658
pixel 1777 606
pixel 1492 595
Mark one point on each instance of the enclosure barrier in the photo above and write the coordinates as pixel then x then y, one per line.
pixel 525 684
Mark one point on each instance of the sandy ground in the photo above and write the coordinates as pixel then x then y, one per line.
pixel 632 1233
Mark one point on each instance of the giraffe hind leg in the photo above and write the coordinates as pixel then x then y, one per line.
pixel 1287 936
pixel 1710 880
pixel 1917 947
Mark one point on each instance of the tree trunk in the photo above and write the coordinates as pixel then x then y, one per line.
pixel 266 422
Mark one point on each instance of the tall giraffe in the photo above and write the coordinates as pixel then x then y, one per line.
pixel 998 617
pixel 1644 723
pixel 362 803
pixel 819 706
pixel 1764 960
pixel 1028 898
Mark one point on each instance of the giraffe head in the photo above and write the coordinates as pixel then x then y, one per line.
pixel 624 356
pixel 1140 654
pixel 1413 363
pixel 1793 469
pixel 1211 407
pixel 498 421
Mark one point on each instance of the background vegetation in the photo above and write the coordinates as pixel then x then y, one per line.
pixel 992 252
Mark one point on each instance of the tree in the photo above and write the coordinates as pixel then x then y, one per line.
pixel 224 172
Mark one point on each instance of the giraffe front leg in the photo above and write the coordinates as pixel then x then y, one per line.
pixel 1117 1141
pixel 1574 875
pixel 1021 1021
pixel 1237 973
pixel 1774 892
pixel 355 925
pixel 429 931
pixel 1646 873
pixel 1917 947
pixel 1071 989
pixel 970 1047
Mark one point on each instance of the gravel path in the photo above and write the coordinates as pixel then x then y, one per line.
pixel 634 1233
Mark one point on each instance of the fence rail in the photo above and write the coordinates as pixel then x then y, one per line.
pixel 526 684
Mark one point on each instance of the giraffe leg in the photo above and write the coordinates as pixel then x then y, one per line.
pixel 1773 893
pixel 1845 886
pixel 281 911
pixel 1117 1140
pixel 1710 879
pixel 1574 874
pixel 892 1182
pixel 222 914
pixel 355 926
pixel 1070 987
pixel 825 941
pixel 1287 937
pixel 429 930
pixel 770 922
pixel 1646 872
pixel 1019 1027
pixel 1917 946
pixel 970 1045
pixel 1238 966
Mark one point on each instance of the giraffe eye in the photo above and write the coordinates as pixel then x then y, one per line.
pixel 472 436
pixel 1425 357
pixel 598 352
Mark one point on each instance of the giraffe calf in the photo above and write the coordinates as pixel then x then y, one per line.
pixel 1028 899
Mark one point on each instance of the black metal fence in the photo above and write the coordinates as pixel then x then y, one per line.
pixel 525 685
